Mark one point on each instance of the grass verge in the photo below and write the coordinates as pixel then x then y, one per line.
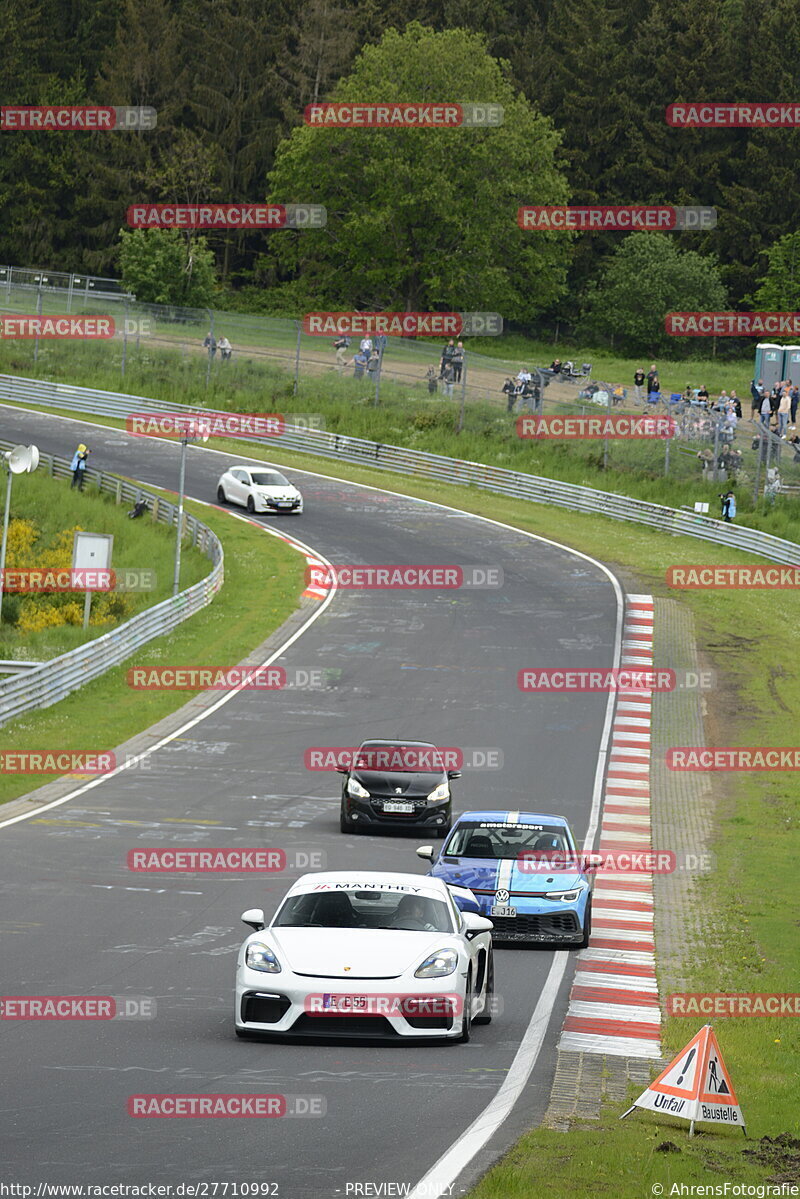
pixel 263 579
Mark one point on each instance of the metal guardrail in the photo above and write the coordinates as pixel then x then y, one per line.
pixel 47 682
pixel 422 464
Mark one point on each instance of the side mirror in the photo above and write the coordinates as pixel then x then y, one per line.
pixel 427 852
pixel 465 901
pixel 454 774
pixel 475 924
pixel 592 861
pixel 255 918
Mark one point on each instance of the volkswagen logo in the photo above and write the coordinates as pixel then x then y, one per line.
pixel 501 896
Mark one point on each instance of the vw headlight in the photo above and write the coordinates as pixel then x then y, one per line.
pixel 439 793
pixel 355 789
pixel 260 957
pixel 443 962
pixel 565 896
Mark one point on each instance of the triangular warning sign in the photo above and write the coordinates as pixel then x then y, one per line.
pixel 694 1086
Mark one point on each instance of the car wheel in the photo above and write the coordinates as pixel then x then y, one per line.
pixel 466 1019
pixel 344 824
pixel 250 505
pixel 486 1015
pixel 587 927
pixel 221 496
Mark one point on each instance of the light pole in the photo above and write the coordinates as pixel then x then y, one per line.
pixel 21 460
pixel 196 428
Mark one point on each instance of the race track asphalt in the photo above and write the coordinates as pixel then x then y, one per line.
pixel 431 665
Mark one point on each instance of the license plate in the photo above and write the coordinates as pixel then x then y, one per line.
pixel 391 806
pixel 502 910
pixel 344 1003
pixel 284 503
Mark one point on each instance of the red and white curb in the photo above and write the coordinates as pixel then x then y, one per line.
pixel 613 1005
pixel 317 590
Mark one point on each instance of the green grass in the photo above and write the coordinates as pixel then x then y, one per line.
pixel 138 544
pixel 263 579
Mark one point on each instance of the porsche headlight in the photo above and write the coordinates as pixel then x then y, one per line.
pixel 355 789
pixel 443 962
pixel 260 957
pixel 439 793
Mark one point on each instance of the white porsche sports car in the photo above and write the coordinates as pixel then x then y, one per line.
pixel 259 489
pixel 358 953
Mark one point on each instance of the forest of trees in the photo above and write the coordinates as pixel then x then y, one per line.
pixel 584 83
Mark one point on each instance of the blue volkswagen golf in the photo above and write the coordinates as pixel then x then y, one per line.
pixel 525 872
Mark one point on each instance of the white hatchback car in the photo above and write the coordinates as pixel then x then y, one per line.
pixel 259 489
pixel 366 954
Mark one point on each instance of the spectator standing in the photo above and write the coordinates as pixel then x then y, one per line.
pixel 225 349
pixel 210 342
pixel 737 403
pixel 784 408
pixel 458 362
pixel 78 467
pixel 366 346
pixel 358 362
pixel 638 385
pixel 447 357
pixel 757 393
pixel 373 363
pixel 794 396
pixel 432 379
pixel 728 506
pixel 340 345
pixel 448 375
pixel 766 411
pixel 653 383
pixel 509 392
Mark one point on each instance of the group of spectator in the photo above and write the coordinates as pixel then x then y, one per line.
pixel 776 410
pixel 212 345
pixel 522 390
pixel 367 358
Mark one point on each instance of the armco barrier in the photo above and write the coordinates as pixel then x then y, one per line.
pixel 514 484
pixel 47 682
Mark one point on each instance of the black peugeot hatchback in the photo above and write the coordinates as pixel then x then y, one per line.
pixel 397 784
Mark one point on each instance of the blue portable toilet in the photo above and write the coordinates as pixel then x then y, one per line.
pixel 791 363
pixel 769 364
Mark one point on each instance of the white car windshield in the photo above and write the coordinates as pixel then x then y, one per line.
pixel 365 909
pixel 269 478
